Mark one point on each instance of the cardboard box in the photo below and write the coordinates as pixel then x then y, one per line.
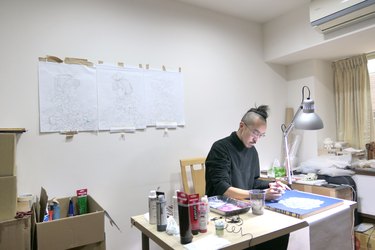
pixel 8 197
pixel 341 192
pixel 72 232
pixel 16 234
pixel 7 154
pixel 365 240
pixel 94 246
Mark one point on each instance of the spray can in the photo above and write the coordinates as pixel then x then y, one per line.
pixel 161 214
pixel 152 207
pixel 203 215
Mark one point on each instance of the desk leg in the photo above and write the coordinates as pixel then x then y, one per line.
pixel 145 242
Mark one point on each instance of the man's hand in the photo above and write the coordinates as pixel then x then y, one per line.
pixel 276 190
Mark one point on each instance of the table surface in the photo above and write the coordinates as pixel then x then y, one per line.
pixel 256 229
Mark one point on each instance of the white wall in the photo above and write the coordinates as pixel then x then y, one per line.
pixel 318 76
pixel 289 33
pixel 291 38
pixel 224 75
pixel 365 194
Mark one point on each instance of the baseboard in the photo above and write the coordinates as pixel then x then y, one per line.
pixel 368 218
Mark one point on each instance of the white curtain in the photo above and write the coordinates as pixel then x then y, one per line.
pixel 354 118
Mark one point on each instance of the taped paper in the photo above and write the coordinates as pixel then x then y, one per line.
pixel 167 125
pixel 122 130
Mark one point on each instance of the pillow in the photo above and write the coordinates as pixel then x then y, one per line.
pixel 333 172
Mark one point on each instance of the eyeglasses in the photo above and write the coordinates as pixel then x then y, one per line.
pixel 255 132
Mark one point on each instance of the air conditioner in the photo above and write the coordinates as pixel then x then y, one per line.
pixel 329 15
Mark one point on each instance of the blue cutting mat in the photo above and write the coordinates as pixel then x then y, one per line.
pixel 301 204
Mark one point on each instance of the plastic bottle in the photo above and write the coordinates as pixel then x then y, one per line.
pixel 56 211
pixel 152 207
pixel 203 214
pixel 161 214
pixel 175 207
pixel 278 169
pixel 271 172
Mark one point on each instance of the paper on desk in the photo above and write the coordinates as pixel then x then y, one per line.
pixel 210 242
pixel 312 182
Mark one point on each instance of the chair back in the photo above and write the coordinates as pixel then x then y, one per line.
pixel 196 168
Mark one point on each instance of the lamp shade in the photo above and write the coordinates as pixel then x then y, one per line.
pixel 307 119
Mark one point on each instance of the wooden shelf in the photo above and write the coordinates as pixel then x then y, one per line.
pixel 12 130
pixel 364 171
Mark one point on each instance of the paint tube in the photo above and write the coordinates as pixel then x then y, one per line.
pixel 194 212
pixel 82 201
pixel 71 208
pixel 183 218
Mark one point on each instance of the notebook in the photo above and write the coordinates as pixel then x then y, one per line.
pixel 301 204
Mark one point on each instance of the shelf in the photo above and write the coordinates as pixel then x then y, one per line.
pixel 12 130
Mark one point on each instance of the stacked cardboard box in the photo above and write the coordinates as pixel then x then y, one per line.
pixel 14 233
pixel 8 182
pixel 365 240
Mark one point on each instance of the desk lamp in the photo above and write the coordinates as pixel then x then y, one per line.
pixel 305 119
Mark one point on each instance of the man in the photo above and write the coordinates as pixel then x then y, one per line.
pixel 232 166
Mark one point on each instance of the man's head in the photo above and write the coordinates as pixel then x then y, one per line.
pixel 253 125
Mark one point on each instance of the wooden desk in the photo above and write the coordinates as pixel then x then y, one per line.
pixel 264 227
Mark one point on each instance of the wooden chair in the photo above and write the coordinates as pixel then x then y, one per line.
pixel 196 167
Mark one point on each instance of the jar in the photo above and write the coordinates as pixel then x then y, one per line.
pixel 219 226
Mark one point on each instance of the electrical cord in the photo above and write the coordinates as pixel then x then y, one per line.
pixel 354 198
pixel 236 223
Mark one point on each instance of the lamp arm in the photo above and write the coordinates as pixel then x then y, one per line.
pixel 286 132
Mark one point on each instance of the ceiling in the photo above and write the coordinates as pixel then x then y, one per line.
pixel 253 10
pixel 260 11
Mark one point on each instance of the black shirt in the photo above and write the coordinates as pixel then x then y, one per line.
pixel 230 164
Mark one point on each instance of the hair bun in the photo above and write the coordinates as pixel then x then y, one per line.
pixel 262 110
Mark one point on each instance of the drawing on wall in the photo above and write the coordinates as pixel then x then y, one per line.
pixel 164 97
pixel 106 97
pixel 67 97
pixel 120 97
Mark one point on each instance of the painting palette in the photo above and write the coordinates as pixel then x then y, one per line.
pixel 226 206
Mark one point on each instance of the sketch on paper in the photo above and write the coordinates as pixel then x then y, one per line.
pixel 164 97
pixel 301 203
pixel 120 97
pixel 67 97
pixel 80 98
